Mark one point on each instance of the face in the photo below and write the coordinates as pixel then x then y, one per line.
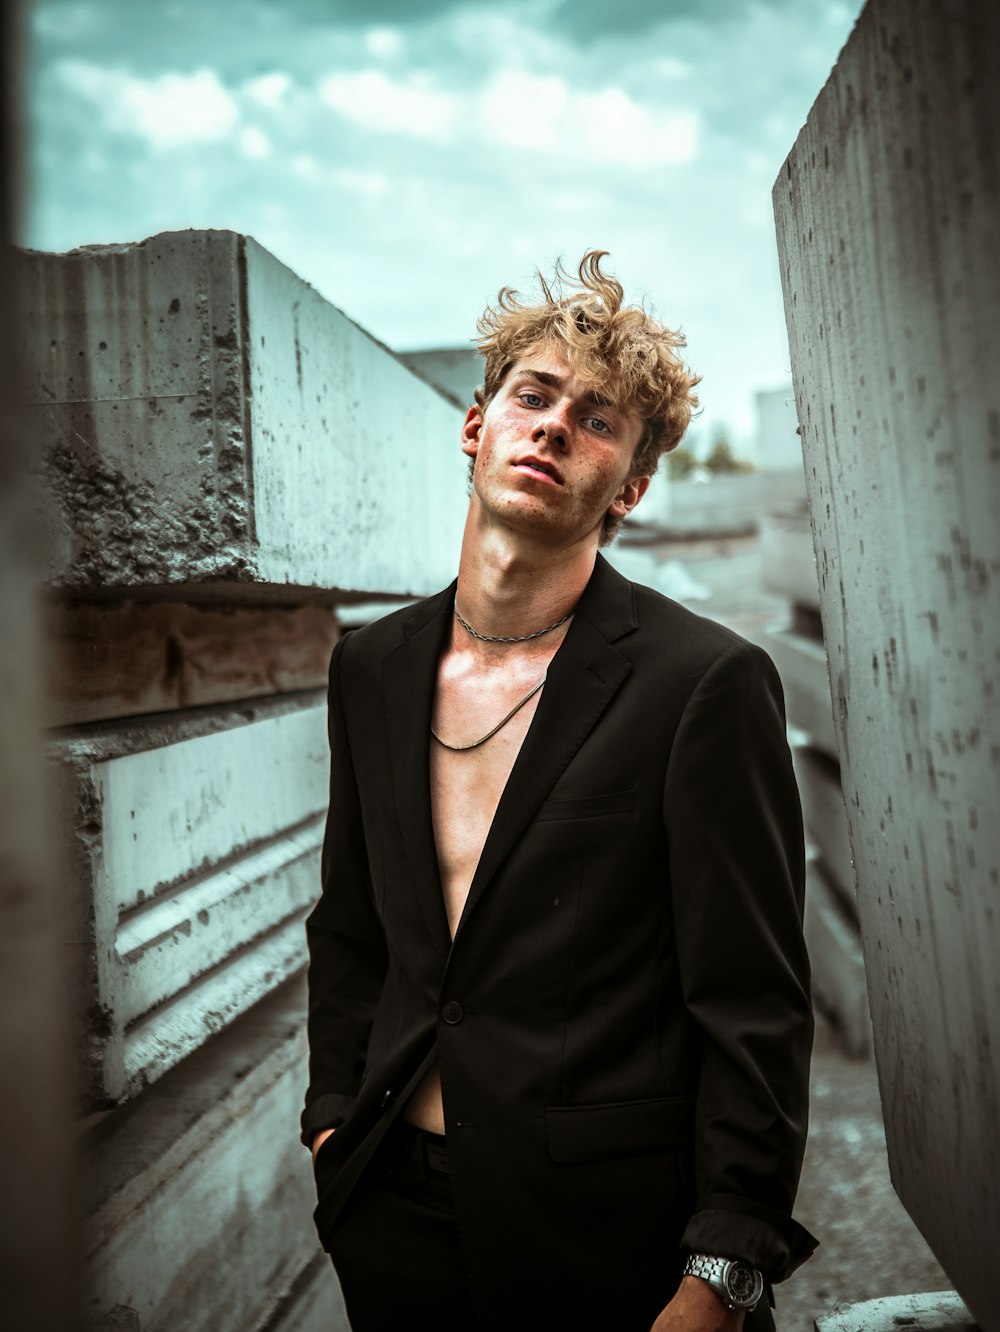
pixel 550 459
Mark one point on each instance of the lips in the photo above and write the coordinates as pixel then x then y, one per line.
pixel 533 463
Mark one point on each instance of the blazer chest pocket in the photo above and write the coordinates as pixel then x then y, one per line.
pixel 621 1128
pixel 587 807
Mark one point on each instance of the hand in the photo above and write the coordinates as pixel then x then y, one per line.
pixel 697 1308
pixel 318 1141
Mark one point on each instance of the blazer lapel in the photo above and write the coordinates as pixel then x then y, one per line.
pixel 584 676
pixel 409 677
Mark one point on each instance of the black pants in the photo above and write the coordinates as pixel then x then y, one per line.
pixel 395 1246
pixel 395 1249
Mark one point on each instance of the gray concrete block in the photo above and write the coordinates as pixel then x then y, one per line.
pixel 200 1195
pixel 209 426
pixel 195 847
pixel 725 505
pixel 801 663
pixel 826 821
pixel 838 967
pixel 887 222
pixel 940 1311
pixel 314 1304
pixel 788 561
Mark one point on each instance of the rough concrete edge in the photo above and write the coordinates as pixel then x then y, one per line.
pixel 124 247
pixel 785 170
pixel 133 1150
pixel 314 1279
pixel 930 1311
pixel 98 742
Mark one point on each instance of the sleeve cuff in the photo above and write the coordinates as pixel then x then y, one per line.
pixel 758 1235
pixel 327 1111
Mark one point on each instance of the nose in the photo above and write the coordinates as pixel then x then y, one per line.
pixel 553 426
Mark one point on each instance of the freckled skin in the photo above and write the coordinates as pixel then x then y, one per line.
pixel 591 447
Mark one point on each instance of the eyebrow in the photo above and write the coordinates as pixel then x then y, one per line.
pixel 557 381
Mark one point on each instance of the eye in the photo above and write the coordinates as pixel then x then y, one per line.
pixel 537 400
pixel 599 425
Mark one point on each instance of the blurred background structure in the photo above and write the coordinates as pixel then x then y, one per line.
pixel 229 469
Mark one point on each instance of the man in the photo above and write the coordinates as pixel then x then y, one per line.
pixel 559 1020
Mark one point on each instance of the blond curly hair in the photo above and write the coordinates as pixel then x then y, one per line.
pixel 628 356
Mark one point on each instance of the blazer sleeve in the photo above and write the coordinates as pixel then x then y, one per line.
pixel 347 954
pixel 737 863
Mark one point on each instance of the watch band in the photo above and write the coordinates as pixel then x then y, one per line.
pixel 719 1273
pixel 707 1267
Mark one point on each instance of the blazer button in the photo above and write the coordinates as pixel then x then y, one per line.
pixel 452 1013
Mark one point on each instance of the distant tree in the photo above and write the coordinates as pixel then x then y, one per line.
pixel 721 459
pixel 680 462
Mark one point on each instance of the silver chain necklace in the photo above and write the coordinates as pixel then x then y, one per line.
pixel 503 638
pixel 499 726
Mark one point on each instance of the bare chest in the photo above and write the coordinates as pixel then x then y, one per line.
pixel 466 786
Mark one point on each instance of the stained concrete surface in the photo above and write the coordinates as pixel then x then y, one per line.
pixel 869 1247
pixel 886 219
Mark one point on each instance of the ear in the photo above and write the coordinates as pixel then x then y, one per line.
pixel 629 496
pixel 470 431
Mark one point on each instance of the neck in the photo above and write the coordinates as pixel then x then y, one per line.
pixel 511 585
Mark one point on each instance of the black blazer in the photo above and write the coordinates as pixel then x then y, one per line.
pixel 623 1020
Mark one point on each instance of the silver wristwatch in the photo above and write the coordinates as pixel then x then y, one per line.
pixel 737 1284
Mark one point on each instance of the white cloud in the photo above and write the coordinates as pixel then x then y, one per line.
pixel 541 112
pixel 669 67
pixel 526 110
pixel 254 143
pixel 268 90
pixel 383 42
pixel 305 166
pixel 615 128
pixel 168 111
pixel 371 99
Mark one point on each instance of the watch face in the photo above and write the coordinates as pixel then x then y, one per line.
pixel 742 1283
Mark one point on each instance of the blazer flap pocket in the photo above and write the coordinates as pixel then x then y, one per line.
pixel 622 1128
pixel 588 807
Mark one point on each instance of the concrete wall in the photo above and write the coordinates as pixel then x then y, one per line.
pixel 195 849
pixel 456 371
pixel 215 446
pixel 205 420
pixel 888 211
pixel 201 1196
pixel 725 505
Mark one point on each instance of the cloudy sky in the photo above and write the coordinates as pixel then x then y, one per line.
pixel 407 157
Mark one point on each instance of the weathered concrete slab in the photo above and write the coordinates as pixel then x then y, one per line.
pixel 126 659
pixel 205 421
pixel 887 215
pixel 825 818
pixel 801 663
pixel 838 968
pixel 788 561
pixel 726 505
pixel 200 1194
pixel 195 847
pixel 314 1304
pixel 939 1311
